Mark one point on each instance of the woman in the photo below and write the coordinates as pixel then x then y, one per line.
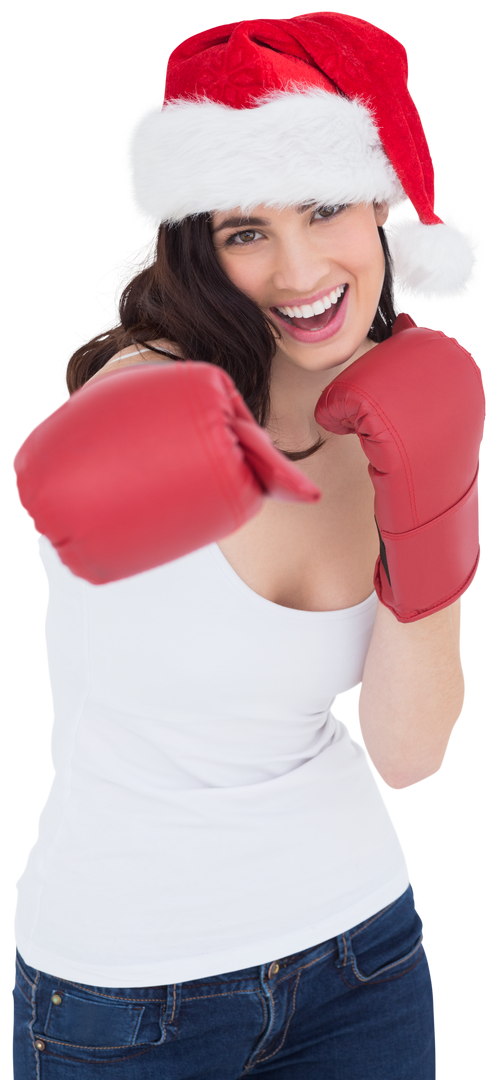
pixel 217 888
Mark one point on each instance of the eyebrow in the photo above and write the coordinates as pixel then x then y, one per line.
pixel 237 222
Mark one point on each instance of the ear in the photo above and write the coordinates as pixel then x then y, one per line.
pixel 381 211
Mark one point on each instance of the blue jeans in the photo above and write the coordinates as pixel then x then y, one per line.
pixel 356 1007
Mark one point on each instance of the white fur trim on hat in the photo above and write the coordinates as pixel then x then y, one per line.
pixel 198 156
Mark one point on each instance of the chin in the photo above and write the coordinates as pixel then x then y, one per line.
pixel 322 356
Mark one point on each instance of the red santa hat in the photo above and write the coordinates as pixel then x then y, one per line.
pixel 285 111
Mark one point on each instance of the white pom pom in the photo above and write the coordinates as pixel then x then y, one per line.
pixel 431 259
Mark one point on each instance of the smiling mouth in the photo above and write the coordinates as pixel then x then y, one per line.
pixel 309 316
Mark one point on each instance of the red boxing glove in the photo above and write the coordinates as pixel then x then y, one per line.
pixel 147 465
pixel 416 403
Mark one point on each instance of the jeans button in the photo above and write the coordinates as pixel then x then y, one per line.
pixel 273 969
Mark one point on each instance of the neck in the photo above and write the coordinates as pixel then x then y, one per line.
pixel 294 394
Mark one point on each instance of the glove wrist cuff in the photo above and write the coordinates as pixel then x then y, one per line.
pixel 428 568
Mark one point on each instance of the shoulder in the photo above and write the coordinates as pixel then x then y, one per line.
pixel 134 355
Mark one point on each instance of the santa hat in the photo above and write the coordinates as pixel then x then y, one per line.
pixel 288 111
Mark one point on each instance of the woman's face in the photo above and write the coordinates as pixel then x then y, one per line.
pixel 316 271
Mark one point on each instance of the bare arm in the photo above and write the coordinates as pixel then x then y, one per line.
pixel 412 693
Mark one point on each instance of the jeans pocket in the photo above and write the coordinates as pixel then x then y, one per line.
pixel 104 1025
pixel 388 944
pixel 91 1023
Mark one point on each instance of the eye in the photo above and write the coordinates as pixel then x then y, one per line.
pixel 329 211
pixel 246 236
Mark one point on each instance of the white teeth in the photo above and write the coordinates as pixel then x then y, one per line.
pixel 306 311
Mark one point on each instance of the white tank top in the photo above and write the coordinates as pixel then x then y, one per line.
pixel 208 811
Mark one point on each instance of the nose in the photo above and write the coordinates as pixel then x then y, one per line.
pixel 300 267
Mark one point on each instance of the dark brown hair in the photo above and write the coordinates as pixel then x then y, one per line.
pixel 184 296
